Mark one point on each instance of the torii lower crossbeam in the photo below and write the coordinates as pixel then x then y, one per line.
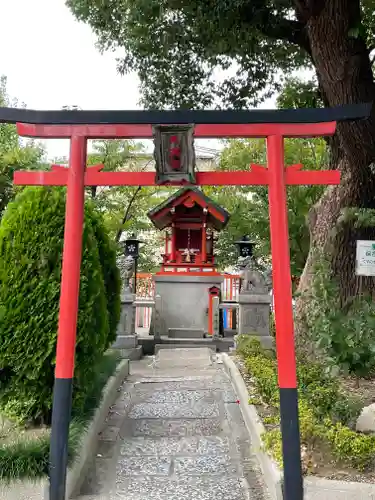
pixel 275 176
pixel 255 176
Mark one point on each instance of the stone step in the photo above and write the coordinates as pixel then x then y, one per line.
pixel 215 487
pixel 185 333
pixel 185 343
pixel 152 346
pixel 183 357
pixel 184 351
pixel 92 497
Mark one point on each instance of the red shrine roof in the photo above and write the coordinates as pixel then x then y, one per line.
pixel 189 203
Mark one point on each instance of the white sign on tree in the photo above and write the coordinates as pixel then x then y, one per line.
pixel 365 258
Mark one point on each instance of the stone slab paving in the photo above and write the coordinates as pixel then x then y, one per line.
pixel 321 489
pixel 175 433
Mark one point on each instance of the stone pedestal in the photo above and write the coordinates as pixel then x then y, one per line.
pixel 216 317
pixel 126 336
pixel 254 317
pixel 126 342
pixel 157 317
pixel 184 302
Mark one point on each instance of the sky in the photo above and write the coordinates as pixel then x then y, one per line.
pixel 51 61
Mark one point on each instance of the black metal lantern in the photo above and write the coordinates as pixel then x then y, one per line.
pixel 245 247
pixel 174 153
pixel 132 246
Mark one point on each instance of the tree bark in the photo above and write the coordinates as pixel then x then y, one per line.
pixel 343 67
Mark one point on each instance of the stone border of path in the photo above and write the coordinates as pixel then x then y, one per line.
pixel 271 473
pixel 29 490
pixel 324 489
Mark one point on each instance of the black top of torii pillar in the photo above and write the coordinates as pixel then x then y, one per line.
pixel 89 117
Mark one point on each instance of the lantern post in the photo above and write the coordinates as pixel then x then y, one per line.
pixel 132 249
pixel 245 247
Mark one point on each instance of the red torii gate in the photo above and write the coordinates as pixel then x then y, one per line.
pixel 80 126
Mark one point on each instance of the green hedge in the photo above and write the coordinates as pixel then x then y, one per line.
pixel 23 456
pixel 326 413
pixel 111 273
pixel 31 241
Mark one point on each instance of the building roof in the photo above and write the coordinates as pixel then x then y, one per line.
pixel 161 215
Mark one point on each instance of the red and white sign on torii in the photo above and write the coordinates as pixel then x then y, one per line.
pixel 274 126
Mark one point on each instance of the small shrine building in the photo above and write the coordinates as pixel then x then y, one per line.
pixel 190 220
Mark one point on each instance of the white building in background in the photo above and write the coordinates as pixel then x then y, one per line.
pixel 203 162
pixel 145 162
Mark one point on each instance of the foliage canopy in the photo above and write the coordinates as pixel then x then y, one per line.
pixel 193 53
pixel 249 206
pixel 125 208
pixel 178 48
pixel 14 154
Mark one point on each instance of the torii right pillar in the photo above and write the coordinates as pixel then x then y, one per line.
pixel 285 345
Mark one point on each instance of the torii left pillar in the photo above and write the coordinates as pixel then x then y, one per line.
pixel 66 337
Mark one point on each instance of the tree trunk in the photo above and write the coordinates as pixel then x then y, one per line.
pixel 345 77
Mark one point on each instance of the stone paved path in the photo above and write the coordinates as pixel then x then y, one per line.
pixel 175 433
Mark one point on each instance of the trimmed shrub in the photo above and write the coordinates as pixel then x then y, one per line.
pixel 111 273
pixel 31 242
pixel 25 454
pixel 344 334
pixel 325 412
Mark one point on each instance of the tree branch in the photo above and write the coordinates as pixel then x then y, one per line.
pixel 94 189
pixel 281 28
pixel 305 9
pixel 126 215
pixel 285 29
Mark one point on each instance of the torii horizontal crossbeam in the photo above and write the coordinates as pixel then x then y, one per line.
pixel 257 176
pixel 201 131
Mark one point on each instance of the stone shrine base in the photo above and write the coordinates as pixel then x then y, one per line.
pixel 184 301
